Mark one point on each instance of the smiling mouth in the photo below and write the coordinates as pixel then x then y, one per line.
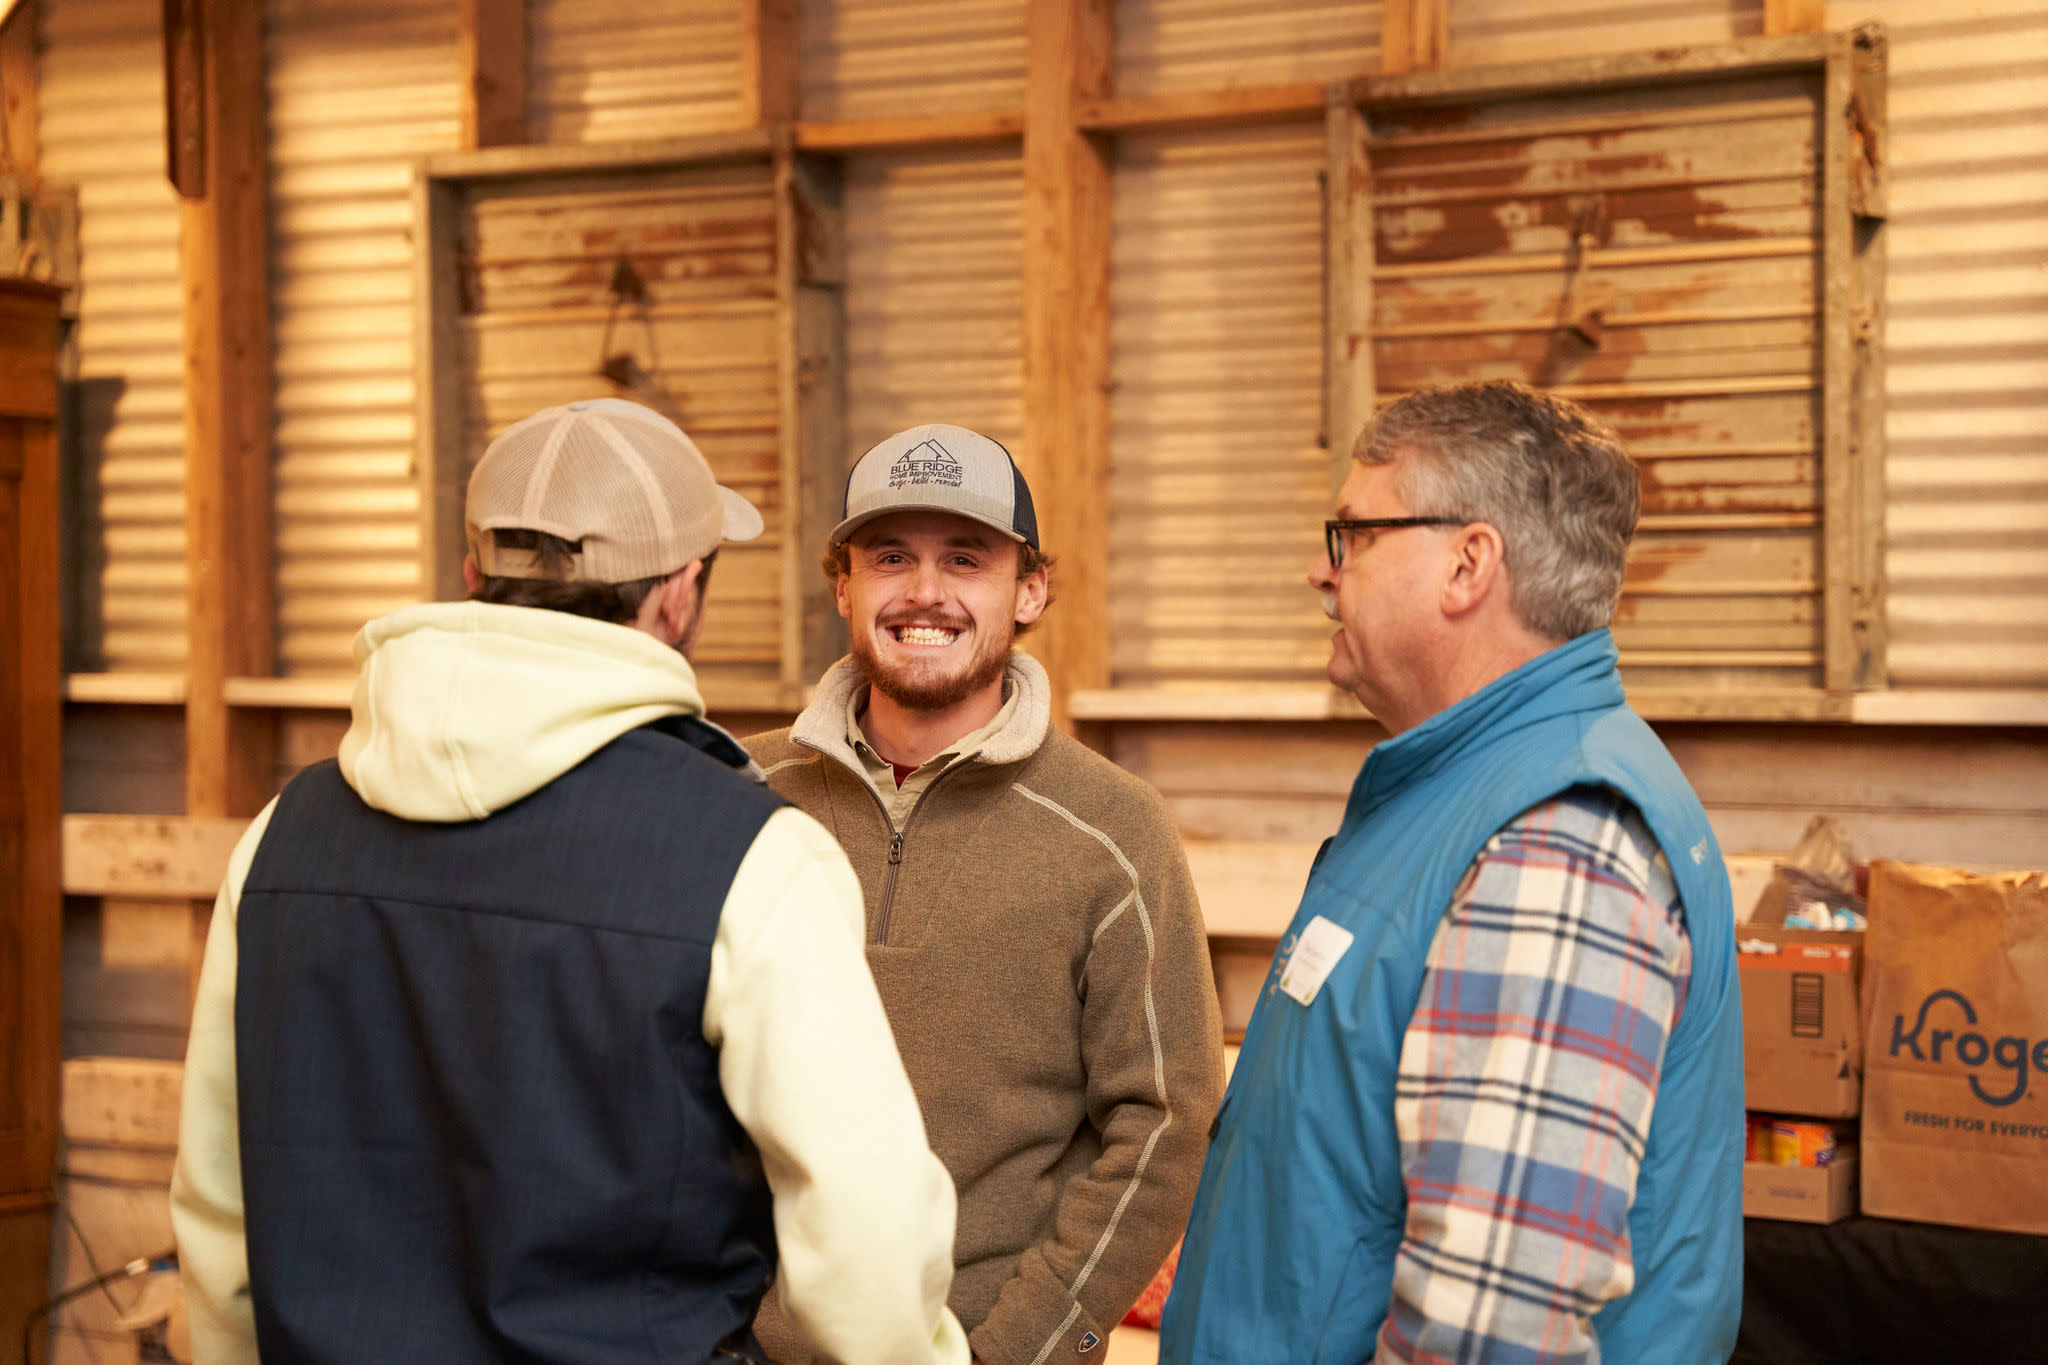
pixel 928 636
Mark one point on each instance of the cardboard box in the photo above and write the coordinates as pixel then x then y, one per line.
pixel 1802 1031
pixel 1800 1194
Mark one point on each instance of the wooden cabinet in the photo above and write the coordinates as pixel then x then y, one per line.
pixel 31 800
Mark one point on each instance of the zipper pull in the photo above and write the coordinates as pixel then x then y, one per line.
pixel 895 848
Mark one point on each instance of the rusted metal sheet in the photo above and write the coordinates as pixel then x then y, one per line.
pixel 1171 45
pixel 1489 31
pixel 1966 552
pixel 1217 482
pixel 357 91
pixel 100 94
pixel 933 293
pixel 1653 255
pixel 666 278
pixel 631 69
pixel 868 59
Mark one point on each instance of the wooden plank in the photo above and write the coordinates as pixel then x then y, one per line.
pixel 148 856
pixel 122 1101
pixel 769 76
pixel 1067 212
pixel 1349 383
pixel 491 58
pixel 298 694
pixel 18 78
pixel 929 130
pixel 185 130
pixel 1248 889
pixel 1795 16
pixel 1200 108
pixel 437 386
pixel 1841 534
pixel 1748 56
pixel 1415 35
pixel 1870 172
pixel 126 689
pixel 513 163
pixel 813 379
pixel 224 260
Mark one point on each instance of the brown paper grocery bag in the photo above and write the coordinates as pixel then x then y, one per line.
pixel 1955 1027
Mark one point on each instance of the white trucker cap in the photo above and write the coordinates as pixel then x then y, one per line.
pixel 618 480
pixel 942 469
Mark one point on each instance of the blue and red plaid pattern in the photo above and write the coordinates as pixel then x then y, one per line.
pixel 1527 1078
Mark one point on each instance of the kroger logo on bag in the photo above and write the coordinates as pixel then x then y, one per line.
pixel 1968 1047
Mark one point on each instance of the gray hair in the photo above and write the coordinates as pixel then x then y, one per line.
pixel 1554 482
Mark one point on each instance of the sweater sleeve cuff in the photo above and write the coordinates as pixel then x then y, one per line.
pixel 1037 1322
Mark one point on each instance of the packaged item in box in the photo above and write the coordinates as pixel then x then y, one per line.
pixel 1759 1146
pixel 1802 1037
pixel 1804 1142
pixel 1955 1103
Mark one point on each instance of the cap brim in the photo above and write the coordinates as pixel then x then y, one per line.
pixel 852 524
pixel 742 519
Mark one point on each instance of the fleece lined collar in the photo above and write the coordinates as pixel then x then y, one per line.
pixel 822 726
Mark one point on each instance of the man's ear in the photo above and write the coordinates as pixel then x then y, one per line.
pixel 1478 568
pixel 839 597
pixel 472 577
pixel 679 598
pixel 1031 593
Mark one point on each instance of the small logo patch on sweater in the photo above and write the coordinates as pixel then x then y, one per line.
pixel 1089 1341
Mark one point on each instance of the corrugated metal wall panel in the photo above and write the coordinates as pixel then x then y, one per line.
pixel 1703 206
pixel 934 294
pixel 892 58
pixel 1166 45
pixel 358 90
pixel 100 100
pixel 537 265
pixel 1490 31
pixel 1218 485
pixel 631 69
pixel 1967 341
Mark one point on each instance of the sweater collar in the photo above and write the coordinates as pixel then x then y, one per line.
pixel 822 726
pixel 1582 674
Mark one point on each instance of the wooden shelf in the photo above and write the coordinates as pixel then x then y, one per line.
pixel 1957 706
pixel 126 689
pixel 863 135
pixel 1201 108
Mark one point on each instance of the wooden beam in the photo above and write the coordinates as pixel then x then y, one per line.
pixel 770 89
pixel 491 48
pixel 518 163
pixel 1415 35
pixel 148 857
pixel 224 260
pixel 932 130
pixel 1795 16
pixel 1065 453
pixel 18 90
pixel 1869 196
pixel 1200 108
pixel 1348 380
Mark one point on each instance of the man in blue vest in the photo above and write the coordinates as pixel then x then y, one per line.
pixel 1489 1107
pixel 535 1026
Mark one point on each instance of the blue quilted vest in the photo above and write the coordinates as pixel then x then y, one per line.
pixel 1290 1252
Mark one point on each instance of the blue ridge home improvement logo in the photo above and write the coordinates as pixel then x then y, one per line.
pixel 926 462
pixel 1968 1047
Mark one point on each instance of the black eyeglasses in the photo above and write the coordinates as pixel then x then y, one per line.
pixel 1333 537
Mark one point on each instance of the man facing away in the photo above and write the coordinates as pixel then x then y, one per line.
pixel 1030 920
pixel 1489 1107
pixel 532 1027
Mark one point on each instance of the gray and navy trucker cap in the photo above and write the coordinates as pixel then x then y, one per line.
pixel 944 469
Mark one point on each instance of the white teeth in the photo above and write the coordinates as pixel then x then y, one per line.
pixel 927 635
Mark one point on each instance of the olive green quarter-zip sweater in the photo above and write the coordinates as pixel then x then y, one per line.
pixel 1038 948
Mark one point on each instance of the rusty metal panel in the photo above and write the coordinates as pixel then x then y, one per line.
pixel 548 274
pixel 865 59
pixel 1487 31
pixel 934 265
pixel 1967 342
pixel 100 97
pixel 631 69
pixel 1169 45
pixel 1218 483
pixel 1651 254
pixel 358 89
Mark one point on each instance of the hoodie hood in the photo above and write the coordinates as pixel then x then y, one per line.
pixel 822 726
pixel 462 708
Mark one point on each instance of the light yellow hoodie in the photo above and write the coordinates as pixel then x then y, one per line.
pixel 461 709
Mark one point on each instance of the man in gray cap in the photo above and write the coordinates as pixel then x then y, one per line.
pixel 1030 919
pixel 530 1027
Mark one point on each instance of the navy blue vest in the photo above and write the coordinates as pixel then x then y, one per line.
pixel 1289 1255
pixel 479 1120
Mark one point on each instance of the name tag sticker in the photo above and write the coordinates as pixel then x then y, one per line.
pixel 1315 956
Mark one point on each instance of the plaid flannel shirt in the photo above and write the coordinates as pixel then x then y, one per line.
pixel 1527 1077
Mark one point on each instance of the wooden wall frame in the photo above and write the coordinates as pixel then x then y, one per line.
pixel 809 280
pixel 1849 68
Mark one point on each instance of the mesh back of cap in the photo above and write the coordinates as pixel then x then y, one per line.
pixel 621 480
